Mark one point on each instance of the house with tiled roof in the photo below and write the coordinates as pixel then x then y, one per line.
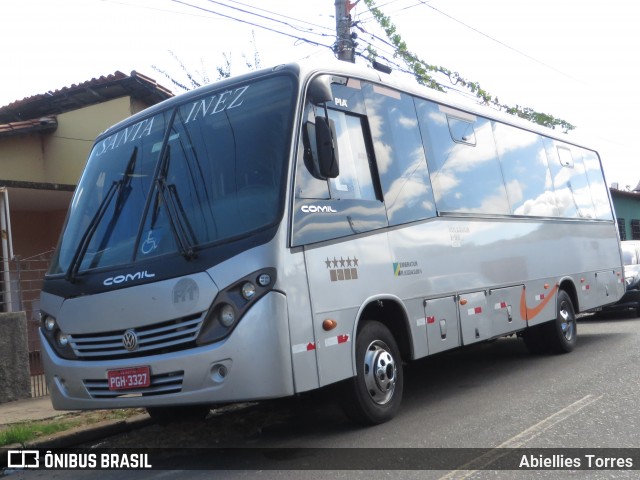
pixel 44 143
pixel 626 204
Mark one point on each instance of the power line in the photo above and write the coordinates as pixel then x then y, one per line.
pixel 426 4
pixel 283 16
pixel 264 17
pixel 307 30
pixel 301 39
pixel 146 7
pixel 391 12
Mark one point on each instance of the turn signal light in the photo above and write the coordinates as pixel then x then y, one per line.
pixel 329 324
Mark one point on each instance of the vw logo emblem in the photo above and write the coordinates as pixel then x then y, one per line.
pixel 130 340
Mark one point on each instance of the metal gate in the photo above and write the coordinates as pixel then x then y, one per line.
pixel 21 285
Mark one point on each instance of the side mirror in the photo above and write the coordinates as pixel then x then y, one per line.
pixel 320 90
pixel 321 155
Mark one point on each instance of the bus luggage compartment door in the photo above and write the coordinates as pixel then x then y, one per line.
pixel 609 287
pixel 504 309
pixel 475 320
pixel 441 317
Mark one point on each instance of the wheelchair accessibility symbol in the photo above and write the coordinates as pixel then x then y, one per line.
pixel 150 244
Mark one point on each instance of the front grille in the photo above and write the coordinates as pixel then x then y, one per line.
pixel 160 385
pixel 158 338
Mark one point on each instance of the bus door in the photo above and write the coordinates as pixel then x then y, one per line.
pixel 329 217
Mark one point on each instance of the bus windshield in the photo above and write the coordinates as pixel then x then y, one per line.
pixel 207 171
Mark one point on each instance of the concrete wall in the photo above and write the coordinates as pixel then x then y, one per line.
pixel 15 379
pixel 22 158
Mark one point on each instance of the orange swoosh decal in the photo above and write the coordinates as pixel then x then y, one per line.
pixel 530 313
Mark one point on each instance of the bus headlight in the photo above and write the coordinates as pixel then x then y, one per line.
pixel 248 291
pixel 50 324
pixel 58 340
pixel 227 315
pixel 232 303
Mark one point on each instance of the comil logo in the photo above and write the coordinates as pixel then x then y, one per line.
pixel 317 209
pixel 129 277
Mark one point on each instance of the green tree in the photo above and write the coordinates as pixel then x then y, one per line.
pixel 423 72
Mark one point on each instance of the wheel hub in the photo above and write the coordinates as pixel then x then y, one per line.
pixel 379 372
pixel 567 322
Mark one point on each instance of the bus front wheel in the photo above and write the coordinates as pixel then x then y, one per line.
pixel 374 395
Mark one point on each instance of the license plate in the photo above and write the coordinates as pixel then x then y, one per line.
pixel 129 378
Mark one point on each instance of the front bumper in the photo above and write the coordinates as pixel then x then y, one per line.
pixel 253 363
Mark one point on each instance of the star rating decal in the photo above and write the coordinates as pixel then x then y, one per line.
pixel 342 268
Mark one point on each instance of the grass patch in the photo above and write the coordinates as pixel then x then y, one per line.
pixel 22 433
pixel 25 432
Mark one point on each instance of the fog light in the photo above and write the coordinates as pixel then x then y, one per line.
pixel 227 315
pixel 264 279
pixel 63 340
pixel 50 324
pixel 248 291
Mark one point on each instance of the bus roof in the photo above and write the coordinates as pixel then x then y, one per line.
pixel 308 68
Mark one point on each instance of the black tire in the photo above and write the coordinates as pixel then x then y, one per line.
pixel 562 333
pixel 187 413
pixel 374 395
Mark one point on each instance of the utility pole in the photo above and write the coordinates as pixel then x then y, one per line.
pixel 344 41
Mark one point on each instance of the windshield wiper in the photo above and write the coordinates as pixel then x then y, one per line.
pixel 81 250
pixel 118 186
pixel 178 219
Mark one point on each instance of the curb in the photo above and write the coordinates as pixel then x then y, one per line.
pixel 85 434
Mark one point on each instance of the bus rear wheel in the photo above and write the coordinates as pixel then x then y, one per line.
pixel 374 395
pixel 562 333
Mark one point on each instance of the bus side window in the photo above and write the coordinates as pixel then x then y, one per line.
pixel 466 176
pixel 346 205
pixel 526 171
pixel 570 181
pixel 597 185
pixel 355 180
pixel 400 156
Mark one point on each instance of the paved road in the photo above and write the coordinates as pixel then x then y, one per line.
pixel 486 396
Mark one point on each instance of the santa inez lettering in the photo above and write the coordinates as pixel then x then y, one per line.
pixel 216 103
pixel 127 135
pixel 199 109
